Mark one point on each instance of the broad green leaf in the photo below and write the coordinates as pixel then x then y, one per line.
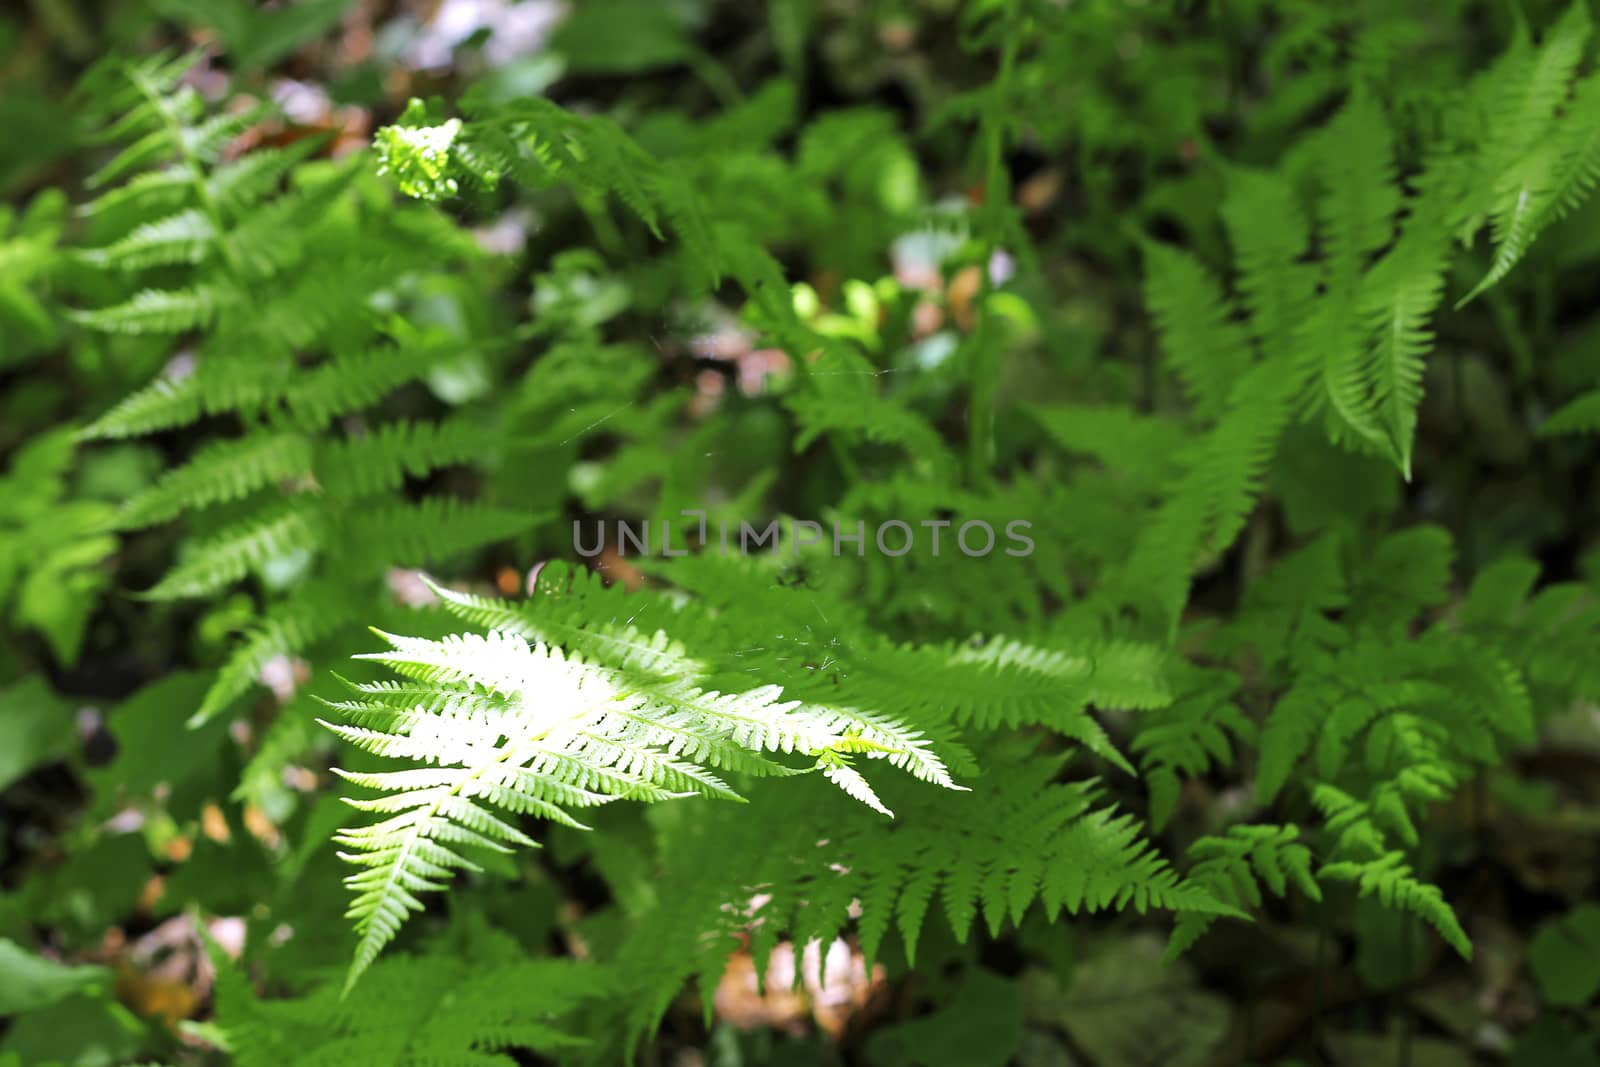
pixel 28 982
pixel 35 726
pixel 1565 956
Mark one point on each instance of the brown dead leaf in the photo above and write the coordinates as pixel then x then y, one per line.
pixel 740 1001
pixel 407 587
pixel 214 824
pixel 153 997
pixel 260 826
pixel 1039 192
pixel 150 894
pixel 508 581
pixel 962 295
pixel 614 567
pixel 834 990
pixel 167 973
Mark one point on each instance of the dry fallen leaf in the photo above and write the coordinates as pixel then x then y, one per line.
pixel 962 294
pixel 614 567
pixel 1039 192
pixel 214 824
pixel 154 997
pixel 166 973
pixel 835 988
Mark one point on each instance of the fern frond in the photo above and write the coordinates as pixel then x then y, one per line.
pixel 1288 733
pixel 1531 84
pixel 1233 868
pixel 568 728
pixel 1536 173
pixel 153 146
pixel 1406 572
pixel 1399 296
pixel 1005 681
pixel 1207 506
pixel 1270 236
pixel 1201 340
pixel 656 666
pixel 317 302
pixel 475 1000
pixel 242 182
pixel 1391 880
pixel 577 611
pixel 1236 453
pixel 1009 683
pixel 271 237
pixel 1360 195
pixel 1022 838
pixel 1147 447
pixel 866 417
pixel 1579 416
pixel 359 467
pixel 1355 218
pixel 1186 737
pixel 1578 154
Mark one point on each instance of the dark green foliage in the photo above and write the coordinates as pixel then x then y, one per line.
pixel 1272 358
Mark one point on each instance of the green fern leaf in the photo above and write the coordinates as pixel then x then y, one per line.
pixel 162 311
pixel 182 238
pixel 226 470
pixel 1391 880
pixel 224 559
pixel 1199 336
pixel 1580 416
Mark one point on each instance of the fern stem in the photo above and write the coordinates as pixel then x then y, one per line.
pixel 1407 938
pixel 984 356
pixel 606 231
pixel 1319 978
pixel 715 77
